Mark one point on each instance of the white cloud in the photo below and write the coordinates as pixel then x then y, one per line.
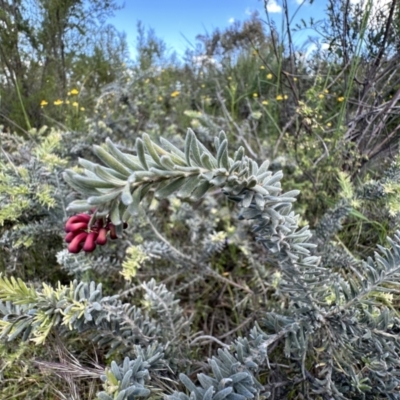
pixel 325 46
pixel 273 6
pixel 231 20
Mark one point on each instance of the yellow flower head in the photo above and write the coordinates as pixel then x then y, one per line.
pixel 340 99
pixel 262 67
pixel 203 85
pixel 75 104
pixel 295 79
pixel 285 96
pixel 264 102
pixel 74 92
pixel 329 124
pixel 321 96
pixel 82 108
pixel 43 103
pixel 279 97
pixel 160 98
pixel 255 95
pixel 269 76
pixel 58 102
pixel 229 78
pixel 175 93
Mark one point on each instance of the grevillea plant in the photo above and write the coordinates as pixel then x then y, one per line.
pixel 85 231
pixel 331 336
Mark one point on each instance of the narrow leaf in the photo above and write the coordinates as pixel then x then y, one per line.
pixel 170 188
pixel 110 161
pixel 141 153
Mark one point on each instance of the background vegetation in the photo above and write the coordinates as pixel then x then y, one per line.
pixel 329 119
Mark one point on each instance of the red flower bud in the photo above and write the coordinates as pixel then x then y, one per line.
pixel 76 226
pixel 75 245
pixel 84 217
pixel 79 218
pixel 90 244
pixel 113 233
pixel 69 236
pixel 102 237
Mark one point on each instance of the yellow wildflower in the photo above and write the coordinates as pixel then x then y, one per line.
pixel 203 85
pixel 66 101
pixel 82 108
pixel 229 78
pixel 175 93
pixel 74 92
pixel 279 97
pixel 43 103
pixel 58 102
pixel 75 104
pixel 326 91
pixel 295 79
pixel 264 102
pixel 329 124
pixel 269 76
pixel 285 96
pixel 262 67
pixel 340 99
pixel 321 96
pixel 255 95
pixel 160 98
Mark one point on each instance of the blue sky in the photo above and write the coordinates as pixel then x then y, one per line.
pixel 175 20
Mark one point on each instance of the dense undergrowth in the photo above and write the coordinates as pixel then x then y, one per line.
pixel 249 267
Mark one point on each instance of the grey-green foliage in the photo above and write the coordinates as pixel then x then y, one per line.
pixel 128 381
pixel 332 254
pixel 31 198
pixel 118 188
pixel 166 309
pixel 82 307
pixel 331 223
pixel 228 382
pixel 76 264
pixel 340 339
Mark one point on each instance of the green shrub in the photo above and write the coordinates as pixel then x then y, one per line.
pixel 321 330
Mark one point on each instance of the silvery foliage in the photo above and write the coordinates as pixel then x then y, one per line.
pixel 76 264
pixel 332 254
pixel 340 338
pixel 233 375
pixel 128 381
pixel 111 324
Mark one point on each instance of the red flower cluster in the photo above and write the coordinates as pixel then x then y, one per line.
pixel 81 237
